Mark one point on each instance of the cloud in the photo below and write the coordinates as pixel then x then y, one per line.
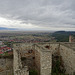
pixel 38 14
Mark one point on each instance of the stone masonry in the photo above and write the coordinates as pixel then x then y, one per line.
pixel 43 57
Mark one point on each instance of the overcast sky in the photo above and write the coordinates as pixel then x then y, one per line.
pixel 38 14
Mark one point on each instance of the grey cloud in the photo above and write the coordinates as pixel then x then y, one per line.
pixel 58 13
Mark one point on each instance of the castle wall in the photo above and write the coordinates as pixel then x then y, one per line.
pixel 43 60
pixel 53 47
pixel 46 63
pixel 6 66
pixel 16 59
pixel 68 57
pixel 6 63
pixel 18 70
pixel 37 61
pixel 43 57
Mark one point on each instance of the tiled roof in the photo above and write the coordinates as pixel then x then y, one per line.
pixel 4 49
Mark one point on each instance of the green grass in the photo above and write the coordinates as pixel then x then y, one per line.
pixel 33 72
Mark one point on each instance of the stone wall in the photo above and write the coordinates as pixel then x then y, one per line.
pixel 17 60
pixel 53 47
pixel 6 66
pixel 18 70
pixel 6 63
pixel 46 63
pixel 67 51
pixel 23 71
pixel 43 56
pixel 7 72
pixel 43 60
pixel 68 57
pixel 37 61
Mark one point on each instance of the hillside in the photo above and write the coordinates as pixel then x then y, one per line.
pixel 63 36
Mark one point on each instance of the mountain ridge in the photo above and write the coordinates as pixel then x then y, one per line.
pixel 5 28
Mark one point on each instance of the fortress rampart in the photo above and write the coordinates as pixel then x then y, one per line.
pixel 42 52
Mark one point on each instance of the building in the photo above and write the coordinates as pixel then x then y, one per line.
pixel 71 39
pixel 4 49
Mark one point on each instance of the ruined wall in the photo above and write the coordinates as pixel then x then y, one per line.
pixel 23 71
pixel 68 57
pixel 6 66
pixel 25 46
pixel 70 45
pixel 6 63
pixel 67 53
pixel 27 52
pixel 7 72
pixel 53 47
pixel 43 58
pixel 17 65
pixel 17 60
pixel 37 61
pixel 46 63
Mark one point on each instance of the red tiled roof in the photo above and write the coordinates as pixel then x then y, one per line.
pixel 1 52
pixel 4 48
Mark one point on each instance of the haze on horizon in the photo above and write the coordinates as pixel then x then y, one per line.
pixel 38 14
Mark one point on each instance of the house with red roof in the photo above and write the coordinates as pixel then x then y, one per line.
pixel 5 49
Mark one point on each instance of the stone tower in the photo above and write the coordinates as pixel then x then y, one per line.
pixel 70 38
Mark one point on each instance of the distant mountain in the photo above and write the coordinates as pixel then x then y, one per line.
pixel 65 32
pixel 4 28
pixel 63 36
pixel 60 31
